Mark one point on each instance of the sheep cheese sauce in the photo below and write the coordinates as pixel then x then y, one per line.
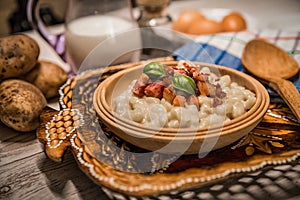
pixel 84 34
pixel 182 96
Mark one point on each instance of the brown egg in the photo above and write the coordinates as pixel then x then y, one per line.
pixel 234 21
pixel 204 27
pixel 185 19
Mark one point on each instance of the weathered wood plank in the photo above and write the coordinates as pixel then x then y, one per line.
pixel 38 177
pixel 27 173
pixel 16 145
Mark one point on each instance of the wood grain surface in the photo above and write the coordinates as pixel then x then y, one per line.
pixel 27 173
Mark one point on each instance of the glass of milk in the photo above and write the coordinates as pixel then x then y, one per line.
pixel 105 25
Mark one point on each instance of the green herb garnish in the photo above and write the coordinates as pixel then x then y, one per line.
pixel 184 83
pixel 154 70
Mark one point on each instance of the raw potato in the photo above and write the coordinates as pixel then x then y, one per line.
pixel 21 104
pixel 18 55
pixel 48 77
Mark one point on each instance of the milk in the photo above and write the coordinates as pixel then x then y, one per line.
pixel 112 34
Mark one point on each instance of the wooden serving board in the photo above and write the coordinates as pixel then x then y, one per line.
pixel 128 170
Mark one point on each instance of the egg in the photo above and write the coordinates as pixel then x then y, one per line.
pixel 234 21
pixel 185 19
pixel 206 26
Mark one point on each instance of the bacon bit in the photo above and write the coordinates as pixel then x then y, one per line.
pixel 180 71
pixel 186 65
pixel 200 77
pixel 169 71
pixel 202 87
pixel 163 88
pixel 140 84
pixel 193 100
pixel 222 95
pixel 138 91
pixel 194 69
pixel 217 101
pixel 167 80
pixel 169 94
pixel 154 89
pixel 143 79
pixel 211 90
pixel 219 92
pixel 179 100
pixel 174 67
pixel 191 69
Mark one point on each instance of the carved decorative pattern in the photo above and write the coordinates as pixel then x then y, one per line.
pixel 274 141
pixel 258 141
pixel 62 126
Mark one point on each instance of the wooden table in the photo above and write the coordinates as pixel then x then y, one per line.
pixel 27 173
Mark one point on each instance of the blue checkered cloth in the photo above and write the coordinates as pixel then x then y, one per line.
pixel 226 49
pixel 201 52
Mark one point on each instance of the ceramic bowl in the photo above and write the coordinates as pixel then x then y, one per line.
pixel 178 140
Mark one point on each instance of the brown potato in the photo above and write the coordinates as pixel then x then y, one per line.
pixel 18 55
pixel 21 104
pixel 48 77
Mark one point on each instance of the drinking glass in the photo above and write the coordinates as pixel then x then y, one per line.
pixel 89 23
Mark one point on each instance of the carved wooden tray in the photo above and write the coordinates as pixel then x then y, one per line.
pixel 128 170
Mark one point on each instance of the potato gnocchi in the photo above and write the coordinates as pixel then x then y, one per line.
pixel 159 112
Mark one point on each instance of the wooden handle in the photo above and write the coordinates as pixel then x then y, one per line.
pixel 288 92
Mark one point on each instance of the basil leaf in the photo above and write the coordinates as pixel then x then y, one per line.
pixel 184 83
pixel 154 70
